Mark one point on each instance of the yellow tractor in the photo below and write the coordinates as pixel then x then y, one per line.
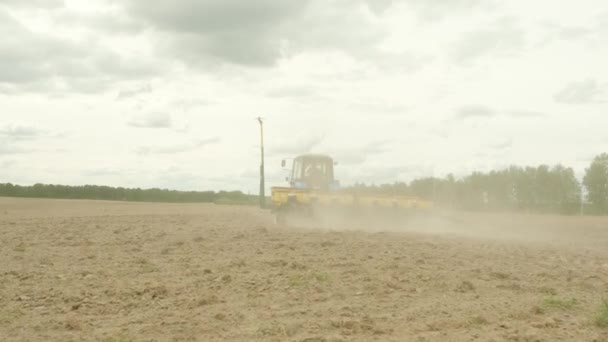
pixel 313 189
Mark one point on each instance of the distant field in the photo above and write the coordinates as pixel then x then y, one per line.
pixel 116 271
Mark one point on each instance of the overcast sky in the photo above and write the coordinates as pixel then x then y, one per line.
pixel 141 93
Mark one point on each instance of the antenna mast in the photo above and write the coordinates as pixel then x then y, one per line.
pixel 262 185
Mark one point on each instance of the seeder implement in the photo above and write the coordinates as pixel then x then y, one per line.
pixel 315 194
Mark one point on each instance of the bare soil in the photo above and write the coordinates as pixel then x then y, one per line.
pixel 112 271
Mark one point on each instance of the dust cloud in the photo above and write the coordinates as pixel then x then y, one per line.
pixel 553 230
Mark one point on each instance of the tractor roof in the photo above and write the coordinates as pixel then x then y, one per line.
pixel 314 156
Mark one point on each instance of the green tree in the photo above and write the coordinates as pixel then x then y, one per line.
pixel 425 187
pixel 596 182
pixel 567 190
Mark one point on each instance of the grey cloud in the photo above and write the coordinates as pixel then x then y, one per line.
pixel 291 92
pixel 429 10
pixel 481 111
pixel 20 132
pixel 7 148
pixel 237 48
pixel 472 114
pixel 19 48
pixel 379 6
pixel 436 10
pixel 361 155
pixel 251 173
pixel 6 163
pixel 404 61
pixel 443 131
pixel 473 111
pixel 603 20
pixel 211 32
pixel 597 30
pixel 203 33
pixel 558 32
pixel 494 154
pixel 234 31
pixel 568 33
pixel 133 92
pixel 151 120
pixel 199 16
pixel 352 155
pixel 503 37
pixel 183 128
pixel 525 114
pixel 187 104
pixel 350 158
pixel 376 147
pixel 335 26
pixel 503 145
pixel 174 149
pixel 301 145
pixel 37 62
pixel 105 172
pixel 380 108
pixel 108 63
pixel 32 3
pixel 581 92
pixel 115 21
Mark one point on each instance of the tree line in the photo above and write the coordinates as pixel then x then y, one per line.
pixel 95 192
pixel 541 189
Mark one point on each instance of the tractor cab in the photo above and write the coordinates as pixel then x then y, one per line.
pixel 312 171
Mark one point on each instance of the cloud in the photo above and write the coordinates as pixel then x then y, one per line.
pixel 189 103
pixel 252 173
pixel 174 149
pixel 199 33
pixel 380 108
pixel 603 21
pixel 406 61
pixel 359 155
pixel 112 20
pixel 233 31
pixel 7 148
pixel 502 38
pixel 579 92
pixel 473 111
pixel 16 132
pixel 344 26
pixel 291 92
pixel 428 11
pixel 134 92
pixel 379 6
pixel 569 33
pixel 255 34
pixel 558 32
pixel 299 146
pixel 49 4
pixel 39 62
pixel 151 120
pixel 6 163
pixel 524 114
pixel 436 10
pixel 105 172
pixel 502 145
